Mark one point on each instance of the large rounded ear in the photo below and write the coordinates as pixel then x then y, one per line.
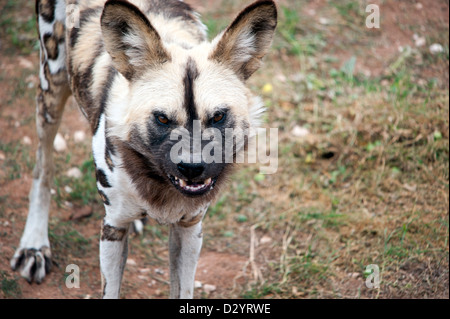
pixel 130 39
pixel 245 42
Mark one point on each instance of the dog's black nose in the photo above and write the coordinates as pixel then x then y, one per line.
pixel 191 170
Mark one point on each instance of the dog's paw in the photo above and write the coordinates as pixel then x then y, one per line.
pixel 33 264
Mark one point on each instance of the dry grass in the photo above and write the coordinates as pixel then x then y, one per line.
pixel 367 185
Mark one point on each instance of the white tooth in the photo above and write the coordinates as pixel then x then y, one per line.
pixel 183 183
pixel 176 178
pixel 208 181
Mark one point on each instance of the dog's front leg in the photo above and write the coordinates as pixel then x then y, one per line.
pixel 184 245
pixel 113 256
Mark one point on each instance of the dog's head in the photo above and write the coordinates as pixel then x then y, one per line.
pixel 182 99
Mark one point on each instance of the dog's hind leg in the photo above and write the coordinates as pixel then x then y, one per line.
pixel 33 256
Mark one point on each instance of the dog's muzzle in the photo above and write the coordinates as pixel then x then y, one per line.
pixel 190 181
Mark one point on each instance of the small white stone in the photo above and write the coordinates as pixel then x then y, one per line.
pixel 59 144
pixel 419 41
pixel 324 21
pixel 2 156
pixel 297 77
pixel 68 204
pixel 281 77
pixel 25 63
pixel 52 192
pixel 79 136
pixel 197 284
pixel 299 131
pixel 209 288
pixel 436 48
pixel 159 271
pixel 144 270
pixel 265 240
pixel 74 172
pixel 68 189
pixel 355 275
pixel 131 262
pixel 26 140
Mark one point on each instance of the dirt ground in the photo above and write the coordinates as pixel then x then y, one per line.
pixel 226 268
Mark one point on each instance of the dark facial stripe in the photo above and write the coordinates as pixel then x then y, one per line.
pixel 188 82
pixel 101 178
pixel 111 233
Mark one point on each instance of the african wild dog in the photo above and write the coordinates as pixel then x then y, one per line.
pixel 139 70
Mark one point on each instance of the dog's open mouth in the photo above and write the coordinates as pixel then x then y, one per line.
pixel 193 188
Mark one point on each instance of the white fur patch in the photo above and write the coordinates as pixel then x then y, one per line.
pixel 256 111
pixel 136 49
pixel 244 48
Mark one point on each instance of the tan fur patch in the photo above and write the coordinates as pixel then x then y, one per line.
pixel 191 222
pixel 50 102
pixel 51 46
pixel 58 31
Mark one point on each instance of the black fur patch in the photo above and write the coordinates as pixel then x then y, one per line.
pixel 46 9
pixel 111 233
pixel 102 178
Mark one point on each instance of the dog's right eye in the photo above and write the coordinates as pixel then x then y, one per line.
pixel 162 119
